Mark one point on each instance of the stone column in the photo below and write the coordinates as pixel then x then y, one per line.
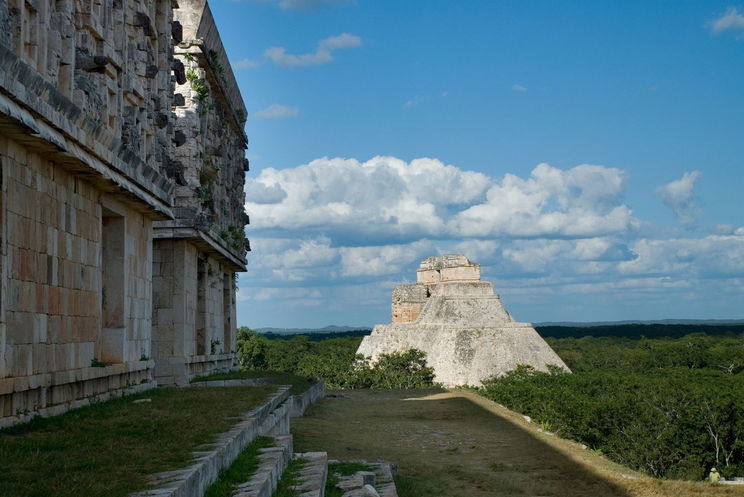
pixel 174 309
pixel 3 271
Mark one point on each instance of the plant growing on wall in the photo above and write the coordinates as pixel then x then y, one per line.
pixel 216 65
pixel 206 197
pixel 208 174
pixel 200 88
pixel 237 235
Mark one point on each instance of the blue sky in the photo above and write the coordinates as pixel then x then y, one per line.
pixel 587 154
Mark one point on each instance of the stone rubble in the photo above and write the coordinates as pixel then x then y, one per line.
pixel 376 483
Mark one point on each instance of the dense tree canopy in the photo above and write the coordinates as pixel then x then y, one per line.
pixel 335 361
pixel 668 406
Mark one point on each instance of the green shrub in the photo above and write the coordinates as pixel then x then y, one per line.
pixel 335 361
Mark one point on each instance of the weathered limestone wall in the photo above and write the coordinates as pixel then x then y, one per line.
pixel 447 268
pixel 460 324
pixel 408 300
pixel 174 293
pixel 52 307
pixel 111 182
pixel 210 142
pixel 208 229
pixel 99 73
pixel 53 260
pixel 194 314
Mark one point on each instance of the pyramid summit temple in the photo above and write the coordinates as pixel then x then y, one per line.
pixel 461 325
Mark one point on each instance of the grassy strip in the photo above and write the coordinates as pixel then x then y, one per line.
pixel 338 469
pixel 108 449
pixel 290 478
pixel 239 471
pixel 300 384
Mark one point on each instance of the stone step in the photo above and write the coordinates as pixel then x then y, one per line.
pixel 385 483
pixel 193 480
pixel 376 483
pixel 313 474
pixel 272 463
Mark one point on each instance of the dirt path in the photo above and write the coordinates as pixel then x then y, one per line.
pixel 457 444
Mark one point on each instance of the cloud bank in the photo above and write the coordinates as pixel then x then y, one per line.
pixel 388 198
pixel 339 233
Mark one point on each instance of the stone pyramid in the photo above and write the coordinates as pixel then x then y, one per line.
pixel 462 326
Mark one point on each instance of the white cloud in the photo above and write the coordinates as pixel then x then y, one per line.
pixel 280 57
pixel 246 64
pixel 710 256
pixel 519 88
pixel 276 111
pixel 344 40
pixel 308 295
pixel 679 195
pixel 260 193
pixel 732 20
pixel 409 104
pixel 425 198
pixel 322 54
pixel 583 201
pixel 481 251
pixel 385 260
pixel 384 197
pixel 556 258
pixel 310 254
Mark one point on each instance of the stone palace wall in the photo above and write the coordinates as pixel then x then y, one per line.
pixel 121 200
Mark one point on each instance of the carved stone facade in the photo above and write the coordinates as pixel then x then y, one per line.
pixel 121 199
pixel 455 318
pixel 205 241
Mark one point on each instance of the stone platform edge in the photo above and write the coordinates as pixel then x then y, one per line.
pixel 272 461
pixel 194 480
pixel 298 404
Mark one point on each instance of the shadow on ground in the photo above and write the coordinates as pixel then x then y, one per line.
pixel 446 444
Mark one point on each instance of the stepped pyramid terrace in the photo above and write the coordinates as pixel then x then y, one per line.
pixel 461 325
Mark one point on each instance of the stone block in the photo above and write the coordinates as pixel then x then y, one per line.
pixel 20 327
pixel 39 358
pixel 54 304
pixel 6 386
pixel 22 360
pixel 26 296
pixel 113 345
pixel 41 324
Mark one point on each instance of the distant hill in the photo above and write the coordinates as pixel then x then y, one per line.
pixel 638 330
pixel 579 324
pixel 673 328
pixel 310 331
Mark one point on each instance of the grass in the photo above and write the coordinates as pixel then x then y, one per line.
pixel 109 449
pixel 337 469
pixel 461 445
pixel 290 478
pixel 299 384
pixel 239 471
